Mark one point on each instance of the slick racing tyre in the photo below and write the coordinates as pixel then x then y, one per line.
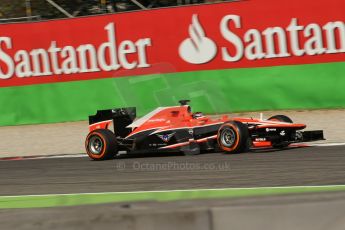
pixel 281 118
pixel 233 137
pixel 101 144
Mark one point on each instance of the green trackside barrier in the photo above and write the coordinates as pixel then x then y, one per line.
pixel 313 86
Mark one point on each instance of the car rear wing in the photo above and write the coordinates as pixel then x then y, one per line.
pixel 119 117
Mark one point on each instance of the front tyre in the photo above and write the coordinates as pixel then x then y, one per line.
pixel 101 144
pixel 281 118
pixel 233 137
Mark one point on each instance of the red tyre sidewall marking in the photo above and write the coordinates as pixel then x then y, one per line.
pixel 237 138
pixel 95 156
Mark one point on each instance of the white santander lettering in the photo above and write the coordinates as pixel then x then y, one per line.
pixel 273 42
pixel 4 57
pixel 231 37
pixel 85 58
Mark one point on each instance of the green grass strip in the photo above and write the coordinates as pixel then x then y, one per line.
pixel 56 200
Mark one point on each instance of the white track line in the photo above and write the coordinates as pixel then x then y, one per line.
pixel 63 156
pixel 302 144
pixel 325 144
pixel 178 190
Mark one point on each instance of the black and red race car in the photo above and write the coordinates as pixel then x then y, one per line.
pixel 177 129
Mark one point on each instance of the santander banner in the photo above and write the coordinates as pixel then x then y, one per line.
pixel 254 33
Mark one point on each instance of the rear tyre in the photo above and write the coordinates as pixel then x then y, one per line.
pixel 233 137
pixel 101 144
pixel 281 118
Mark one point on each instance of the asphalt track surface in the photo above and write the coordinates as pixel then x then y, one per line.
pixel 261 168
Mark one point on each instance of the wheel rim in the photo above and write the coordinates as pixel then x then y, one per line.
pixel 95 145
pixel 228 137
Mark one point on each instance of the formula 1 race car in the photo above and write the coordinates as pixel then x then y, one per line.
pixel 177 129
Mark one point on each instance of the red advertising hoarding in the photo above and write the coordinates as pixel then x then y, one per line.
pixel 244 34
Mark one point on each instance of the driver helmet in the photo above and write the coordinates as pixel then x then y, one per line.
pixel 198 115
